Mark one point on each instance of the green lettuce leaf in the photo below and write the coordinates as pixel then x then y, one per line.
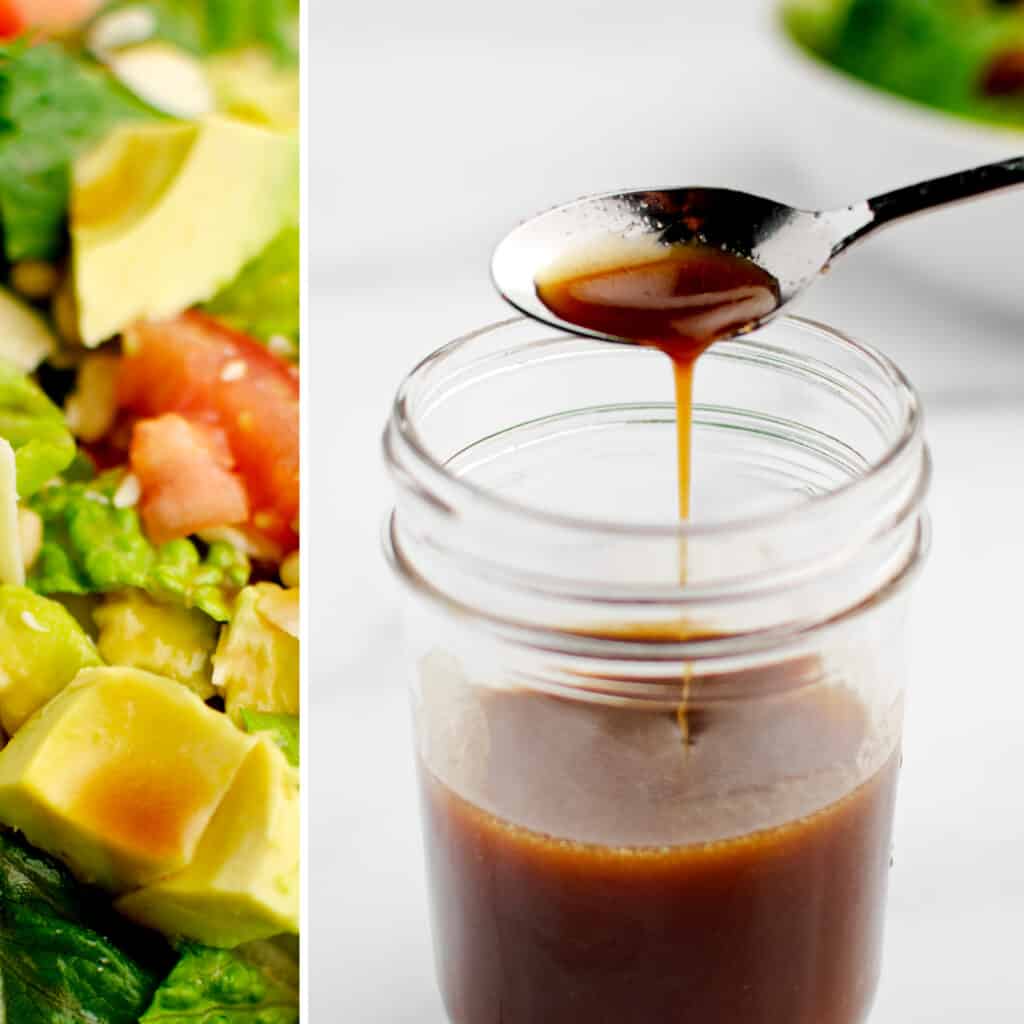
pixel 222 986
pixel 43 445
pixel 263 300
pixel 282 729
pixel 206 27
pixel 933 51
pixel 61 951
pixel 92 546
pixel 53 106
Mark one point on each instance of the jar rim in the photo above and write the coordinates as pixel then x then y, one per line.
pixel 710 648
pixel 402 428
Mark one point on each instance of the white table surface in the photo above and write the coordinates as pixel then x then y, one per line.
pixel 421 156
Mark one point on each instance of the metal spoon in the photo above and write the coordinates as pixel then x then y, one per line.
pixel 794 246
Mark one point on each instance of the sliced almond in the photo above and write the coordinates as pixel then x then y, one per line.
pixel 30 531
pixel 118 29
pixel 128 492
pixel 12 566
pixel 165 77
pixel 25 338
pixel 92 407
pixel 252 544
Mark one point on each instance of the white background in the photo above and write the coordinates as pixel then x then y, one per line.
pixel 434 128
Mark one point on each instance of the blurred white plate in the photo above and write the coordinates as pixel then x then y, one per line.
pixel 854 140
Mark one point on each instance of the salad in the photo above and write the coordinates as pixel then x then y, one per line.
pixel 149 512
pixel 962 56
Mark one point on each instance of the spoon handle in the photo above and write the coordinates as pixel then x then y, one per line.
pixel 925 195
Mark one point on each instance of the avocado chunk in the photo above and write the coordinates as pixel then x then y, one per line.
pixel 243 883
pixel 251 85
pixel 166 639
pixel 25 338
pixel 174 215
pixel 119 776
pixel 282 729
pixel 42 648
pixel 256 665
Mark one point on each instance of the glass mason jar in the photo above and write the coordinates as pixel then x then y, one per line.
pixel 651 796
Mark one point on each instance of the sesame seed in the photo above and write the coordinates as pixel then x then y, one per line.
pixel 234 370
pixel 128 492
pixel 97 496
pixel 32 622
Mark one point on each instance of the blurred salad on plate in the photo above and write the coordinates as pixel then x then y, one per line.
pixel 149 512
pixel 965 57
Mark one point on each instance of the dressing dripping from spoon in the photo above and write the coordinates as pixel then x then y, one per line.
pixel 679 300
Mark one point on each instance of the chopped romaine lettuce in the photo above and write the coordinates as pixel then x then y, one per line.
pixel 936 52
pixel 61 950
pixel 263 301
pixel 221 986
pixel 53 105
pixel 90 545
pixel 282 729
pixel 34 426
pixel 209 584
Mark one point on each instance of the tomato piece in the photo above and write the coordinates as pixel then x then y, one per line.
pixel 50 14
pixel 209 373
pixel 54 15
pixel 185 471
pixel 11 21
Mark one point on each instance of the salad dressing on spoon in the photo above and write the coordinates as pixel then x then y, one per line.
pixel 679 302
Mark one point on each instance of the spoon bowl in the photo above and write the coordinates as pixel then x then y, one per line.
pixel 794 246
pixel 791 245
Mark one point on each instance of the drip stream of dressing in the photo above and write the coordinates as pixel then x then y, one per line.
pixel 679 299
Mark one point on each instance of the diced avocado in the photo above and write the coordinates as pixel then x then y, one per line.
pixel 25 339
pixel 280 607
pixel 251 85
pixel 177 216
pixel 82 608
pixel 282 729
pixel 257 663
pixel 12 562
pixel 119 776
pixel 42 648
pixel 263 301
pixel 166 639
pixel 243 883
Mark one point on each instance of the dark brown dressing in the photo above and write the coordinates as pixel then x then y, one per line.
pixel 598 905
